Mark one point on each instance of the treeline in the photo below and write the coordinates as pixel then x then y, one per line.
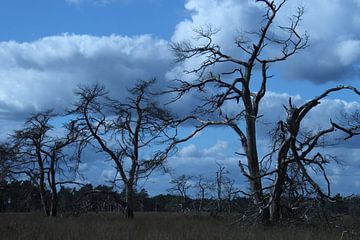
pixel 22 196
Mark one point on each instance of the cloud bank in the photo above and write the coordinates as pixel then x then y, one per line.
pixel 45 73
pixel 333 26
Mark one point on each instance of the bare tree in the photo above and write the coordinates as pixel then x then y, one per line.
pixel 135 133
pixel 225 188
pixel 43 155
pixel 297 152
pixel 203 186
pixel 230 192
pixel 181 185
pixel 220 177
pixel 237 87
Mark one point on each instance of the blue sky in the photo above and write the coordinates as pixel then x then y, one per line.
pixel 48 47
pixel 31 20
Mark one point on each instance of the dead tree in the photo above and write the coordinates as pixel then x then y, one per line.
pixel 135 133
pixel 203 186
pixel 220 177
pixel 297 152
pixel 181 185
pixel 236 86
pixel 43 155
pixel 230 191
pixel 225 189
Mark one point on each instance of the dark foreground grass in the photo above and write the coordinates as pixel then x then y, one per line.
pixel 155 227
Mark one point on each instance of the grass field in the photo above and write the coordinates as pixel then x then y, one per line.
pixel 154 226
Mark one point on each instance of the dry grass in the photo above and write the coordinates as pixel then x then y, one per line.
pixel 151 226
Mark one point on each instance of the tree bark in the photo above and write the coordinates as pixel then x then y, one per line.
pixel 275 206
pixel 42 189
pixel 43 195
pixel 54 203
pixel 254 170
pixel 52 183
pixel 129 201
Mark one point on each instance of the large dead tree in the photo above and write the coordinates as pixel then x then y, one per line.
pixel 236 87
pixel 135 133
pixel 203 186
pixel 43 155
pixel 297 153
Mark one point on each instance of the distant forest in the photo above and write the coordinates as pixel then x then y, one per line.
pixel 22 196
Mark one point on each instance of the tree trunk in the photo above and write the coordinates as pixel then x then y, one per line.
pixel 183 203
pixel 129 201
pixel 42 191
pixel 201 200
pixel 52 182
pixel 253 161
pixel 42 188
pixel 254 170
pixel 54 204
pixel 275 206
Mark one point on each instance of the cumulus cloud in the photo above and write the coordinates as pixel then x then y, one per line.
pixel 348 51
pixel 44 73
pixel 333 27
pixel 344 176
pixel 202 156
pixel 272 111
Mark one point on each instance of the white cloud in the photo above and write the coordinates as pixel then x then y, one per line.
pixel 188 151
pixel 272 111
pixel 108 174
pixel 44 73
pixel 192 153
pixel 218 149
pixel 333 27
pixel 349 51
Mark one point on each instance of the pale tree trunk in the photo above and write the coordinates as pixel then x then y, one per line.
pixel 253 165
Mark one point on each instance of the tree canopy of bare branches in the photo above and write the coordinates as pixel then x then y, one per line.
pixel 135 133
pixel 44 155
pixel 238 87
pixel 180 185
